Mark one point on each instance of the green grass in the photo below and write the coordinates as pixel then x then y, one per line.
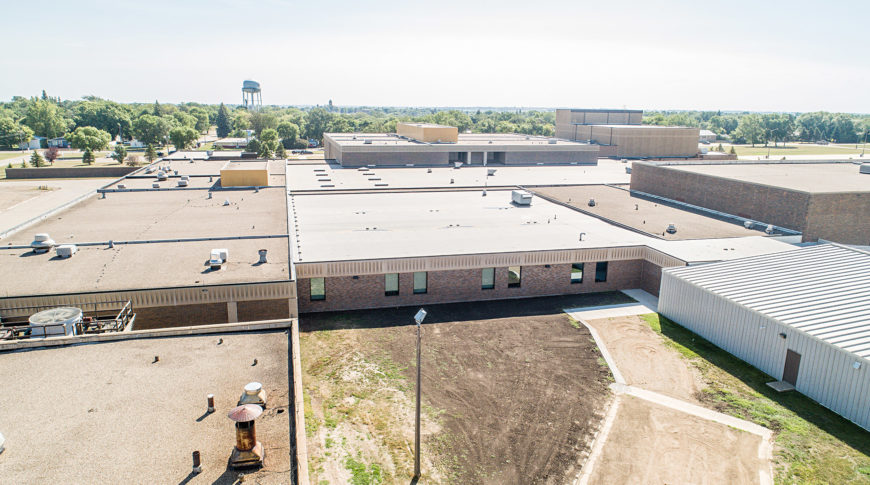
pixel 362 474
pixel 791 149
pixel 813 444
pixel 8 155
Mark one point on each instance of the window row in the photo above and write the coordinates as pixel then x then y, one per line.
pixel 487 280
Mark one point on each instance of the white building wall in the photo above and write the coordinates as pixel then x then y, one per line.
pixel 826 373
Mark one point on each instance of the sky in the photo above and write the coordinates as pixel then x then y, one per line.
pixel 761 55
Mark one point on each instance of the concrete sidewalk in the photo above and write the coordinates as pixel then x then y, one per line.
pixel 646 303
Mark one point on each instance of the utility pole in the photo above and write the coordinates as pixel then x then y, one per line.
pixel 421 314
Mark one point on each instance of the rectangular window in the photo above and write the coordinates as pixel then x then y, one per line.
pixel 487 278
pixel 420 282
pixel 391 284
pixel 515 276
pixel 601 272
pixel 318 289
pixel 577 273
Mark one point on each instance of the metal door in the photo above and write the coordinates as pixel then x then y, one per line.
pixel 792 364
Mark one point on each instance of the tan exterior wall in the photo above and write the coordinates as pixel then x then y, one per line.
pixel 367 291
pixel 244 178
pixel 372 158
pixel 566 118
pixel 641 141
pixel 762 203
pixel 840 217
pixel 651 278
pixel 429 134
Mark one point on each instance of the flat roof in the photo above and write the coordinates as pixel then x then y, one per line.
pixel 804 177
pixel 425 125
pixel 651 217
pixel 582 110
pixel 21 200
pixel 244 165
pixel 830 303
pixel 468 141
pixel 391 225
pixel 362 226
pixel 104 413
pixel 321 177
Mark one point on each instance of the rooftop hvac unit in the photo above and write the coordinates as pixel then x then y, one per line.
pixel 182 183
pixel 218 257
pixel 121 187
pixel 367 142
pixel 41 243
pixel 769 229
pixel 66 250
pixel 864 168
pixel 161 175
pixel 628 170
pixel 490 172
pixel 56 322
pixel 748 224
pixel 521 197
pixel 552 141
pixel 155 185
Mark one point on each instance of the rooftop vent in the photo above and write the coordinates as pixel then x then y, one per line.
pixel 66 250
pixel 521 197
pixel 41 243
pixel 122 187
pixel 155 185
pixel 262 253
pixel 248 451
pixel 161 175
pixel 748 224
pixel 367 142
pixel 672 229
pixel 182 183
pixel 591 203
pixel 864 168
pixel 552 141
pixel 769 229
pixel 254 394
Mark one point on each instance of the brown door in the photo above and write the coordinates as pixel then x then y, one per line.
pixel 792 363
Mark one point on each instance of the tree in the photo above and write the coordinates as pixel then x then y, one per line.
pixel 36 159
pixel 183 136
pixel 89 137
pixel 280 152
pixel 105 115
pixel 316 122
pixel 265 151
pixel 12 134
pixel 120 153
pixel 88 157
pixel 202 124
pixel 133 160
pixel 46 119
pixel 151 129
pixel 262 121
pixel 288 130
pixel 157 111
pixel 750 129
pixel 184 119
pixel 253 146
pixel 52 154
pixel 150 153
pixel 223 122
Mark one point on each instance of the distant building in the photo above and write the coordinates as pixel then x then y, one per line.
pixel 429 144
pixel 619 133
pixel 33 144
pixel 59 142
pixel 231 143
pixel 707 136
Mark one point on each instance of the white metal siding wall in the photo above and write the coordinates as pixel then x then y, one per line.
pixel 826 373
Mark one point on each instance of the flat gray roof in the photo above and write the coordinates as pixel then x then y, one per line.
pixel 804 177
pixel 651 217
pixel 830 302
pixel 319 177
pixel 104 413
pixel 467 141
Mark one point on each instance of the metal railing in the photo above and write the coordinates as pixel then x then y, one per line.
pixel 14 324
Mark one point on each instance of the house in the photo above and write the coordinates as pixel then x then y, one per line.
pixel 59 142
pixel 706 136
pixel 33 144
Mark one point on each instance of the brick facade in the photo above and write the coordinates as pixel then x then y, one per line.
pixel 180 316
pixel 251 311
pixel 840 217
pixel 367 291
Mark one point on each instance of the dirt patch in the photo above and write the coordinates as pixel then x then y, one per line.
pixel 512 392
pixel 652 444
pixel 645 361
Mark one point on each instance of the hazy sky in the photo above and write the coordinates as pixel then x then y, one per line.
pixel 671 54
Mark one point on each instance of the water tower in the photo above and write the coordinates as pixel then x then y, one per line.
pixel 252 96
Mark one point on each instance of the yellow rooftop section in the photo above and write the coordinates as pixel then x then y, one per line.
pixel 245 174
pixel 428 132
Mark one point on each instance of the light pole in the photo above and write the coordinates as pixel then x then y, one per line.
pixel 421 314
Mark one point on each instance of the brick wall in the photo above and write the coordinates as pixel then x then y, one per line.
pixel 67 172
pixel 180 316
pixel 250 311
pixel 771 205
pixel 841 217
pixel 651 277
pixel 367 291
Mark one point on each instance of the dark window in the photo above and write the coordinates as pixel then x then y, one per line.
pixel 515 276
pixel 601 272
pixel 487 278
pixel 420 282
pixel 391 284
pixel 577 273
pixel 318 288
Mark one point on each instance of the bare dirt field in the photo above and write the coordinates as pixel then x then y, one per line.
pixel 655 445
pixel 512 392
pixel 645 361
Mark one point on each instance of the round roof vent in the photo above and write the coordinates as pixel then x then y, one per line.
pixel 245 412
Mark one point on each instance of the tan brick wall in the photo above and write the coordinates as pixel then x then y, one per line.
pixel 651 278
pixel 841 217
pixel 367 291
pixel 770 205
